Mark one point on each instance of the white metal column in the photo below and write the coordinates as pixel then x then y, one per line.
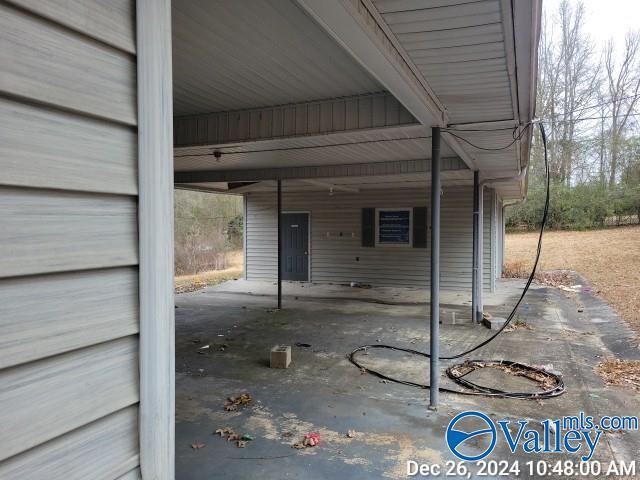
pixel 155 218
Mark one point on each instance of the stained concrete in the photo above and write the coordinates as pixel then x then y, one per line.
pixel 322 392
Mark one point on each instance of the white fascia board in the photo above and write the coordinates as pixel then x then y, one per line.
pixel 355 29
pixel 510 48
pixel 353 26
pixel 527 24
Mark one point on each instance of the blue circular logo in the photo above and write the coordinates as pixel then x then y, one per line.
pixel 456 437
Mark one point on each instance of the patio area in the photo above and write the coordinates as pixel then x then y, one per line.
pixel 322 392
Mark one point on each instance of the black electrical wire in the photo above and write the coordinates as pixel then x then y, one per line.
pixel 302 147
pixel 458 372
pixel 542 376
pixel 488 149
pixel 219 151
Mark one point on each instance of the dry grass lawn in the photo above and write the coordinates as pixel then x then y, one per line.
pixel 609 259
pixel 190 283
pixel 623 373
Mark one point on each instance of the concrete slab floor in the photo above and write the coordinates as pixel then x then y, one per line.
pixel 322 392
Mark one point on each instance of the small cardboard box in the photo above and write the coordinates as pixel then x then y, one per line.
pixel 280 356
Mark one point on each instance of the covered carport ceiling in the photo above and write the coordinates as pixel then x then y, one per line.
pixel 232 55
pixel 365 146
pixel 337 185
pixel 311 83
pixel 461 49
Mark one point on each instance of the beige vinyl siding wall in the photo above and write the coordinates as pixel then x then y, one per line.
pixel 488 252
pixel 333 257
pixel 69 381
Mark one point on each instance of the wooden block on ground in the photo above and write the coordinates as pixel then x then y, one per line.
pixel 494 323
pixel 280 356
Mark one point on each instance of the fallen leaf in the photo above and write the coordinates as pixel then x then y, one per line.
pixel 233 403
pixel 197 445
pixel 242 444
pixel 618 372
pixel 224 430
pixel 351 433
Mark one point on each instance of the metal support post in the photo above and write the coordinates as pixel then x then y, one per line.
pixel 434 379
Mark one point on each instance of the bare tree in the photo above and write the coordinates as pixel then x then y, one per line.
pixel 569 82
pixel 623 82
pixel 204 224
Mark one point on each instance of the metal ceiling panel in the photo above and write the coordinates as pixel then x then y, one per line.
pixel 459 47
pixel 497 151
pixel 400 149
pixel 388 6
pixel 475 35
pixel 414 180
pixel 401 143
pixel 231 55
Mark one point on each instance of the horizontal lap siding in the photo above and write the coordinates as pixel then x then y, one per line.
pixel 69 315
pixel 112 22
pixel 45 148
pixel 488 252
pixel 104 449
pixel 134 474
pixel 500 225
pixel 333 258
pixel 50 64
pixel 51 231
pixel 53 396
pixel 36 311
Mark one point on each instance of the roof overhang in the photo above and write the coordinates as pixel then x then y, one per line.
pixel 465 66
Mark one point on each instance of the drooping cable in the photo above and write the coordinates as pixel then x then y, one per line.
pixel 219 152
pixel 488 149
pixel 547 378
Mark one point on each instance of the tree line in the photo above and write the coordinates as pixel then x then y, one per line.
pixel 207 227
pixel 587 97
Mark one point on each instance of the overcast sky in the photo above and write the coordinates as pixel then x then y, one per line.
pixel 607 18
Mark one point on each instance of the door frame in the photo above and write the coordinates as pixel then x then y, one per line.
pixel 308 212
